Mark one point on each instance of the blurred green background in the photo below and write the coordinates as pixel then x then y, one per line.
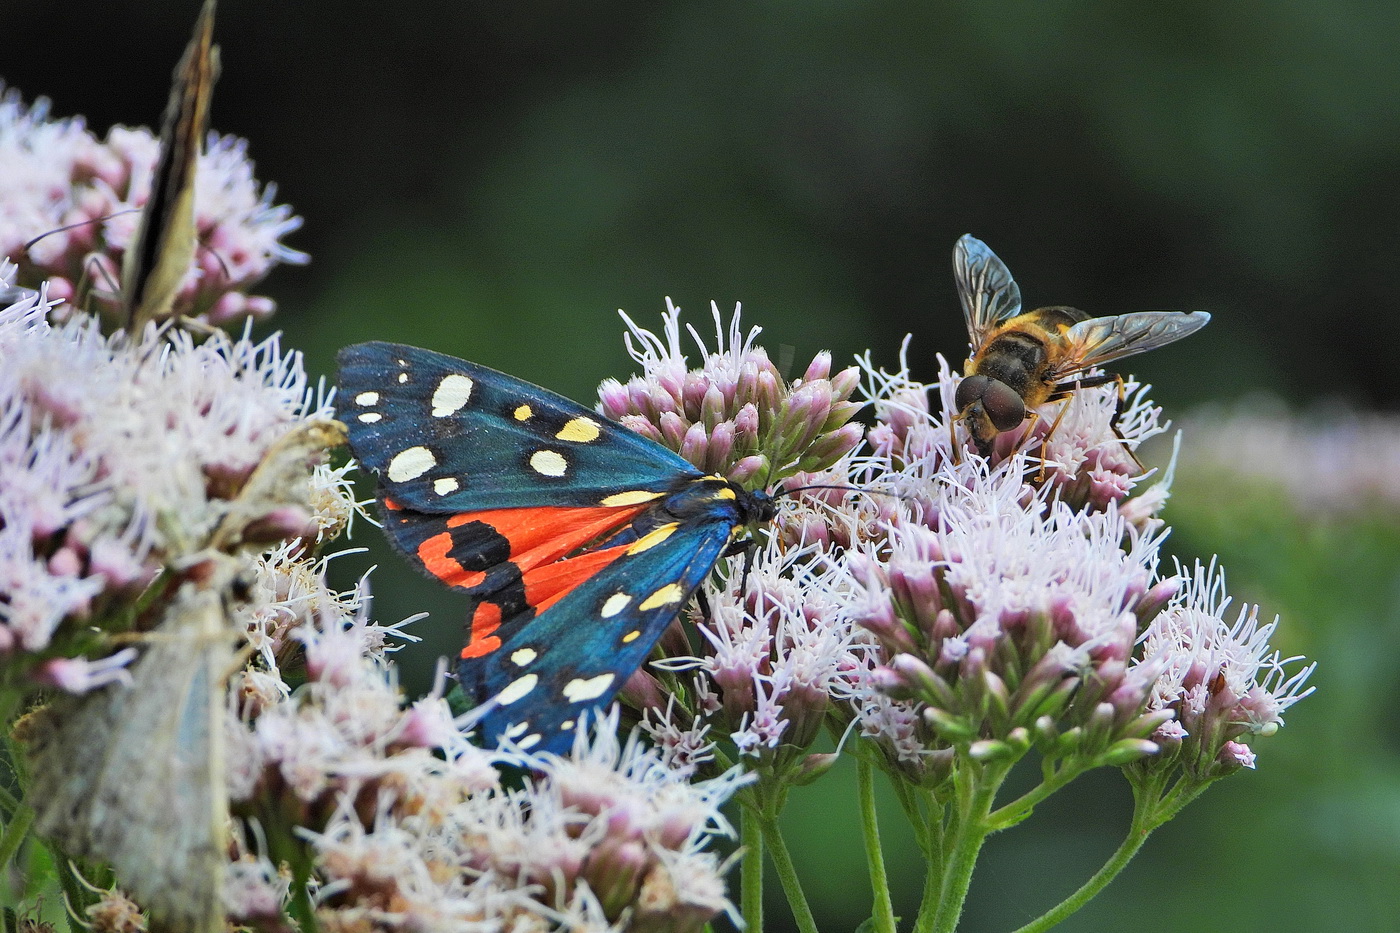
pixel 495 179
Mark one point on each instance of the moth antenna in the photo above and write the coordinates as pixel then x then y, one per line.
pixel 81 223
pixel 860 489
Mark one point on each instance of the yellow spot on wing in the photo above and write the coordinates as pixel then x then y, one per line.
pixel 411 463
pixel 652 538
pixel 668 595
pixel 579 430
pixel 631 497
pixel 582 689
pixel 524 413
pixel 631 637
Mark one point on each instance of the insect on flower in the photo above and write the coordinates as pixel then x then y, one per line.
pixel 1021 361
pixel 577 539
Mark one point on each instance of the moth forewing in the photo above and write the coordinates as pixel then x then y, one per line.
pixel 134 775
pixel 159 255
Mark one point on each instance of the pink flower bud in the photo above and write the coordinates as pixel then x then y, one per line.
pixel 819 368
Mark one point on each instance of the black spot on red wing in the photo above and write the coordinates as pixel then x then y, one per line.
pixel 504 587
pixel 478 546
pixel 475 545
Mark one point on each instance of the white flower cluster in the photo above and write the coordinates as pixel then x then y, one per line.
pixel 121 456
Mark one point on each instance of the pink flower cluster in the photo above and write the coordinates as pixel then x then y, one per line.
pixel 77 199
pixel 951 607
pixel 734 415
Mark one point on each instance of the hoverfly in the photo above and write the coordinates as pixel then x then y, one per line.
pixel 1021 361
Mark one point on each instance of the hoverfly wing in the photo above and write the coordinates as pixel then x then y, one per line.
pixel 988 293
pixel 160 254
pixel 1102 339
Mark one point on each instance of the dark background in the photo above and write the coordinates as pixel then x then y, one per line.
pixel 496 179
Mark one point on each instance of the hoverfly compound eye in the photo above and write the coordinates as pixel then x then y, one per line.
pixel 1003 405
pixel 969 391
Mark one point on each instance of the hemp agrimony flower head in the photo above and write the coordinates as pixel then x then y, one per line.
pixel 607 839
pixel 775 656
pixel 734 415
pixel 1219 679
pixel 120 457
pixel 1083 447
pixel 57 178
pixel 1010 621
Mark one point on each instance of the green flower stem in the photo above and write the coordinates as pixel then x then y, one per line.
pixel 77 892
pixel 1005 817
pixel 15 833
pixel 976 789
pixel 751 870
pixel 882 911
pixel 787 875
pixel 1151 808
pixel 933 878
pixel 908 802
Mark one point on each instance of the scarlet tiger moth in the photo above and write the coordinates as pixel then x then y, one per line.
pixel 577 539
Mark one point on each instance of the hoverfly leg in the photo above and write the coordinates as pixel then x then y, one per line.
pixel 1066 389
pixel 1045 441
pixel 1113 424
pixel 1031 418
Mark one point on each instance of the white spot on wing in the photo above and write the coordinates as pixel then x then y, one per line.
pixel 411 463
pixel 370 417
pixel 523 656
pixel 452 393
pixel 549 463
pixel 446 485
pixel 582 689
pixel 367 398
pixel 615 604
pixel 517 689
